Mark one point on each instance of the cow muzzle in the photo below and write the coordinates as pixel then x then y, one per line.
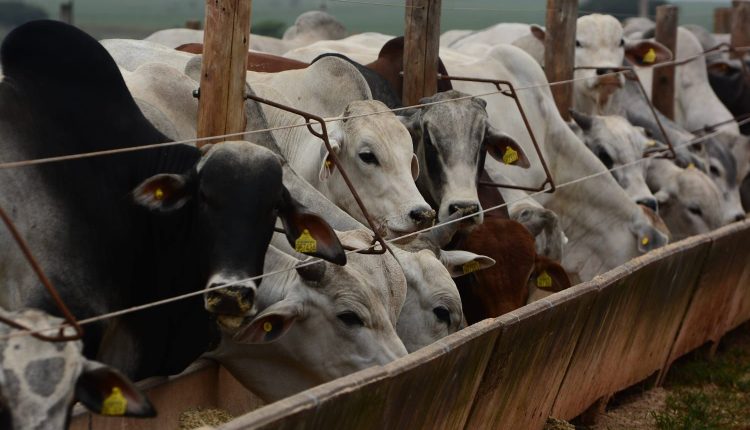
pixel 232 304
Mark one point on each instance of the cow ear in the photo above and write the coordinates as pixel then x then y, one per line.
pixel 539 32
pixel 549 275
pixel 460 263
pixel 326 165
pixel 308 233
pixel 504 149
pixel 105 391
pixel 164 192
pixel 270 324
pixel 647 53
pixel 414 167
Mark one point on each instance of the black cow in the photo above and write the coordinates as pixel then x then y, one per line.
pixel 121 230
pixel 732 87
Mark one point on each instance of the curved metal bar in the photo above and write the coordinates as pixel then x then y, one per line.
pixel 629 73
pixel 510 91
pixel 712 127
pixel 323 135
pixel 68 316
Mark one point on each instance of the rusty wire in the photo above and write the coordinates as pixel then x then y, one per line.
pixel 68 316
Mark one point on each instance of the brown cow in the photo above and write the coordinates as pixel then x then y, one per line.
pixel 518 271
pixel 256 61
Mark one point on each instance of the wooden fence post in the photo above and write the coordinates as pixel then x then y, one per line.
pixel 559 51
pixel 722 20
pixel 740 25
pixel 66 12
pixel 662 86
pixel 221 108
pixel 421 46
pixel 643 8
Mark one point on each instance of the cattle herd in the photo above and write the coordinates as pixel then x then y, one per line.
pixel 257 246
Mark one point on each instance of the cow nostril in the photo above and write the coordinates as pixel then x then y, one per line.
pixel 739 217
pixel 422 215
pixel 464 208
pixel 649 203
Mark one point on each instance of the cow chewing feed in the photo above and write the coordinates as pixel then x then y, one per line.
pixel 138 226
pixel 317 323
pixel 40 380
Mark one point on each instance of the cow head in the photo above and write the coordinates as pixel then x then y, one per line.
pixel 618 144
pixel 235 194
pixel 600 44
pixel 40 380
pixel 376 153
pixel 317 323
pixel 544 225
pixel 689 202
pixel 448 140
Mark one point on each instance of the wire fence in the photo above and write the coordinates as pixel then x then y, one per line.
pixel 312 260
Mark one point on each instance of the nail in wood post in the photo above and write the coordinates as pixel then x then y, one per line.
pixel 740 25
pixel 663 83
pixel 421 46
pixel 221 108
pixel 559 51
pixel 722 20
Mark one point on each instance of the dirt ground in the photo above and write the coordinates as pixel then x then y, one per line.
pixel 700 392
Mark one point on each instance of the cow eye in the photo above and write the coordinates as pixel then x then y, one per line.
pixel 714 170
pixel 622 42
pixel 695 210
pixel 578 44
pixel 369 158
pixel 443 314
pixel 605 158
pixel 350 319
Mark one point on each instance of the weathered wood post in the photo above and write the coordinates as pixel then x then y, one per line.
pixel 740 25
pixel 662 86
pixel 421 46
pixel 722 20
pixel 66 12
pixel 643 8
pixel 221 108
pixel 559 51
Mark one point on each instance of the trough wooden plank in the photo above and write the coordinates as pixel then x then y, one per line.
pixel 529 361
pixel 431 388
pixel 632 325
pixel 721 299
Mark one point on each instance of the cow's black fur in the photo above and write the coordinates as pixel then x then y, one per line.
pixel 63 94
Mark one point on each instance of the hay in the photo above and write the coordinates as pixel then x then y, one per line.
pixel 199 417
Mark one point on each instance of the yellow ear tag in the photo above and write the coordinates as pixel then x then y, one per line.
pixel 510 156
pixel 305 243
pixel 650 143
pixel 470 267
pixel 645 241
pixel 115 404
pixel 267 327
pixel 691 166
pixel 544 280
pixel 158 194
pixel 650 56
pixel 329 163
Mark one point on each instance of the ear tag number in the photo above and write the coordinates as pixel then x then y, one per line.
pixel 650 56
pixel 158 194
pixel 470 267
pixel 115 404
pixel 544 280
pixel 510 156
pixel 305 243
pixel 645 241
pixel 267 327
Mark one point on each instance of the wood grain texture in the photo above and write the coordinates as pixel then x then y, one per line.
pixel 723 20
pixel 559 51
pixel 225 43
pixel 740 25
pixel 421 46
pixel 663 84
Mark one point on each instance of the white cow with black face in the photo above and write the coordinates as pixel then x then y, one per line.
pixel 40 380
pixel 374 147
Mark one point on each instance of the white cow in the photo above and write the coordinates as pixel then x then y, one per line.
pixel 375 150
pixel 316 323
pixel 689 202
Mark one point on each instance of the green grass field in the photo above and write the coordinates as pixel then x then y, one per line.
pixel 136 18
